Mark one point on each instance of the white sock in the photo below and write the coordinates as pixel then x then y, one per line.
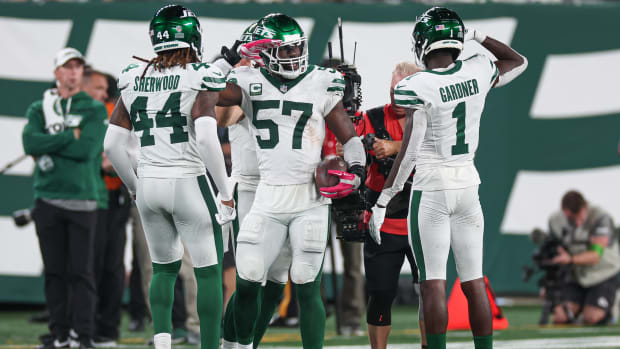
pixel 162 341
pixel 229 345
pixel 245 346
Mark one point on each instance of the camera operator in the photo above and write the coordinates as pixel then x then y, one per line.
pixel 591 244
pixel 382 131
pixel 65 134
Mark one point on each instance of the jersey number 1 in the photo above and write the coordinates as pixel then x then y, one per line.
pixel 459 114
pixel 141 121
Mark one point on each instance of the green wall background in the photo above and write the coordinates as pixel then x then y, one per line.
pixel 510 139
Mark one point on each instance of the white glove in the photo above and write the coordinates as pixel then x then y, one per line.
pixel 376 221
pixel 225 213
pixel 473 34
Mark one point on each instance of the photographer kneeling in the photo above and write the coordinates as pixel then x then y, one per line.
pixel 592 249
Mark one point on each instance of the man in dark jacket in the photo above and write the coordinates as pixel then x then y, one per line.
pixel 64 134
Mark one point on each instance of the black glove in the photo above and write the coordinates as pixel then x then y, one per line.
pixel 359 171
pixel 353 88
pixel 230 54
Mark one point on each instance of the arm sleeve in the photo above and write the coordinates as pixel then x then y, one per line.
pixel 36 141
pixel 406 97
pixel 116 144
pixel 407 163
pixel 210 151
pixel 208 78
pixel 354 152
pixel 91 137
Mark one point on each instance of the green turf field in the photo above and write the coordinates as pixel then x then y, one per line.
pixel 523 333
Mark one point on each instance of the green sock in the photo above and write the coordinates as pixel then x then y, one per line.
pixel 209 301
pixel 229 320
pixel 161 295
pixel 436 341
pixel 247 308
pixel 272 293
pixel 483 342
pixel 311 314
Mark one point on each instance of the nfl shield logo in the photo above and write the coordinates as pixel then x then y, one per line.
pixel 179 28
pixel 283 88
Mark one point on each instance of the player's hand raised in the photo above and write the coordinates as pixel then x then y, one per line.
pixel 252 49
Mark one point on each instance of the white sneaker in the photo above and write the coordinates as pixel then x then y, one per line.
pixel 162 341
pixel 73 339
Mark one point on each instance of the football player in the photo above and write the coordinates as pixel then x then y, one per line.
pixel 170 104
pixel 287 103
pixel 445 104
pixel 246 176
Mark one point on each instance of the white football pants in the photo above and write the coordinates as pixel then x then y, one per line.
pixel 278 272
pixel 179 209
pixel 264 233
pixel 444 218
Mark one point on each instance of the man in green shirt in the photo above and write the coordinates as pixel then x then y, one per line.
pixel 64 134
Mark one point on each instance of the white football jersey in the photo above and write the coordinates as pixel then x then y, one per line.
pixel 243 155
pixel 287 119
pixel 160 105
pixel 453 99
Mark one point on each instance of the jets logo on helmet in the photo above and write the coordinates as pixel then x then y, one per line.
pixel 247 33
pixel 290 59
pixel 437 28
pixel 174 27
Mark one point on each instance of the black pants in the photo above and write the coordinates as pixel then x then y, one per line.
pixel 382 264
pixel 110 240
pixel 137 304
pixel 66 242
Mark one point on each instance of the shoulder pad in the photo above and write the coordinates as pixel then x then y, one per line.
pixel 334 82
pixel 205 77
pixel 405 96
pixel 127 74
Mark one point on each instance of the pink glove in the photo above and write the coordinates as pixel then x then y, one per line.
pixel 348 182
pixel 251 49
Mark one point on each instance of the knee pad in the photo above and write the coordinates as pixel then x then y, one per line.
pixel 250 259
pixel 303 273
pixel 315 235
pixel 379 312
pixel 250 267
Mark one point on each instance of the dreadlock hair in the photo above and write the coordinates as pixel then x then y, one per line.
pixel 171 58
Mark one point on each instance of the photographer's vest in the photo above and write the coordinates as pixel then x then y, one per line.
pixel 385 125
pixel 598 222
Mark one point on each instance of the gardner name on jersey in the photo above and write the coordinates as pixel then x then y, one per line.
pixel 288 119
pixel 160 104
pixel 453 99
